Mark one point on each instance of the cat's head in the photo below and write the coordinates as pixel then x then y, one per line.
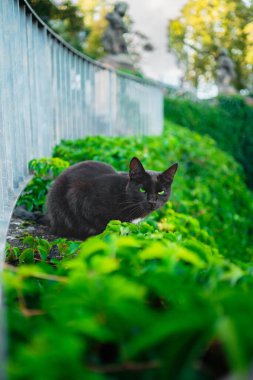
pixel 150 190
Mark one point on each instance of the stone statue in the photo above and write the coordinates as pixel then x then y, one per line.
pixel 113 39
pixel 225 73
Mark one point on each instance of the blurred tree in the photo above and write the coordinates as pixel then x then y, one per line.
pixel 95 20
pixel 205 26
pixel 95 12
pixel 83 24
pixel 65 18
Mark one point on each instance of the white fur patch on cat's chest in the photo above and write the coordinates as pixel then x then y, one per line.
pixel 138 220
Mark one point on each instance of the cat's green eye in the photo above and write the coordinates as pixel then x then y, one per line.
pixel 142 190
pixel 161 192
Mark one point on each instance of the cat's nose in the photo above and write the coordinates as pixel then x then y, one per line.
pixel 152 205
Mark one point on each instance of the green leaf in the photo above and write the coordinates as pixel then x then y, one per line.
pixel 163 328
pixel 226 330
pixel 92 246
pixel 27 256
pixel 42 252
pixel 155 251
pixel 29 240
pixel 190 257
pixel 104 264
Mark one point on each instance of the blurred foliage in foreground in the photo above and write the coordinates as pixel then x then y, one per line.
pixel 229 120
pixel 170 298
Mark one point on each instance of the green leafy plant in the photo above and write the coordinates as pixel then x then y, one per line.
pixel 44 171
pixel 162 299
pixel 128 300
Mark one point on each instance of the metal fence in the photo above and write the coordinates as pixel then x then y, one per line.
pixel 49 92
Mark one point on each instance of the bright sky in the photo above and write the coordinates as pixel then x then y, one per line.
pixel 151 17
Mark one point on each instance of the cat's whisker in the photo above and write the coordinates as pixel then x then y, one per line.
pixel 132 205
pixel 133 213
pixel 133 201
pixel 129 204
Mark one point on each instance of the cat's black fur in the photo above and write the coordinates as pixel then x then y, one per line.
pixel 85 197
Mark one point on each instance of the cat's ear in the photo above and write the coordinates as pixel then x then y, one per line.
pixel 168 175
pixel 136 170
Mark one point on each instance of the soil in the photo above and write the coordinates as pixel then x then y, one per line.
pixel 18 228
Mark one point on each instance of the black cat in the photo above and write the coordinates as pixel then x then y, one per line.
pixel 85 197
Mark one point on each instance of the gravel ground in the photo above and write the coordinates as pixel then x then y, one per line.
pixel 19 227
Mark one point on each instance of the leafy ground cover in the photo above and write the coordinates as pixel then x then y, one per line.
pixel 169 298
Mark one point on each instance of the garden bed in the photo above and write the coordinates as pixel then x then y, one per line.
pixel 167 298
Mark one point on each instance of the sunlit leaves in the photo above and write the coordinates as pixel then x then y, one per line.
pixel 205 26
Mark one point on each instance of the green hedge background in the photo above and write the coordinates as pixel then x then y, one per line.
pixel 228 120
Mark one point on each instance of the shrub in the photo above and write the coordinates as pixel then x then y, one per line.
pixel 229 120
pixel 149 301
